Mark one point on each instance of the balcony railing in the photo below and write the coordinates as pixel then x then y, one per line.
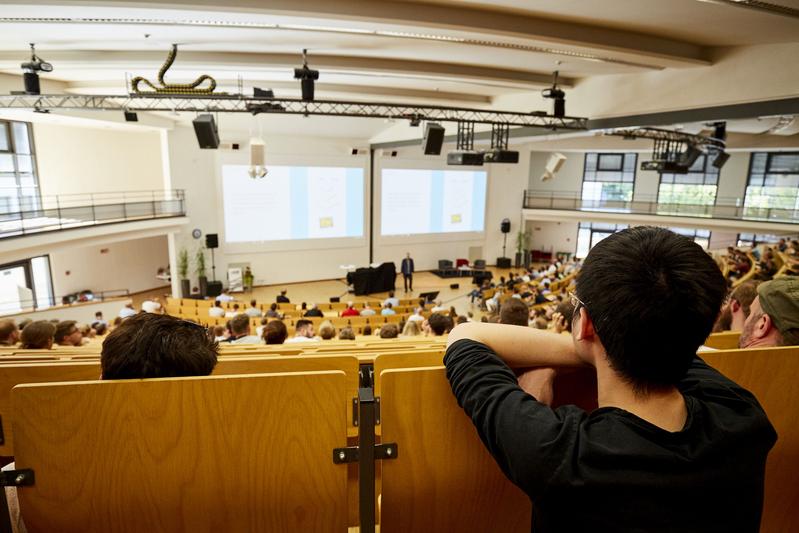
pixel 68 211
pixel 724 208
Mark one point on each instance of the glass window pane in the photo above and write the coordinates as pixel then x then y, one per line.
pixel 5 141
pixel 24 164
pixel 6 163
pixel 610 161
pixel 42 282
pixel 784 163
pixel 21 140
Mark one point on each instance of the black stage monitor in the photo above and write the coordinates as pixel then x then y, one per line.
pixel 429 297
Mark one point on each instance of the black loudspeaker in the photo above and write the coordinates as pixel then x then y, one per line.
pixel 433 138
pixel 335 299
pixel 454 286
pixel 503 262
pixel 205 129
pixel 212 241
pixel 505 226
pixel 214 288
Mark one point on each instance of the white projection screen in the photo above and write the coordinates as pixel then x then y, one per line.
pixel 431 201
pixel 292 203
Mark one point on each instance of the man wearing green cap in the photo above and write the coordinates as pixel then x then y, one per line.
pixel 774 316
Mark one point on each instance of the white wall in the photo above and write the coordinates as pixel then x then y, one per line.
pixel 553 237
pixel 128 265
pixel 74 159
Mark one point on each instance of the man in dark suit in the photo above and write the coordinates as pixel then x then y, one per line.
pixel 282 298
pixel 407 271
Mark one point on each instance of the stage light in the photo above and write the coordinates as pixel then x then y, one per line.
pixel 499 153
pixel 558 97
pixel 257 158
pixel 689 157
pixel 131 116
pixel 501 156
pixel 257 92
pixel 30 72
pixel 720 159
pixel 307 78
pixel 464 158
pixel 719 131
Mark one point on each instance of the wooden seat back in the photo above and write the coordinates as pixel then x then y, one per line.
pixel 442 479
pixel 35 372
pixel 723 340
pixel 218 453
pixel 772 375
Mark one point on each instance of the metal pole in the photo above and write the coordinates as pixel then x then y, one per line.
pixel 366 460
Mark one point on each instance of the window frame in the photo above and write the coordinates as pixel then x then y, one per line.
pixel 8 125
pixel 704 174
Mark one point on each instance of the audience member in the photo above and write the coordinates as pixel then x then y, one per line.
pixel 367 311
pixel 346 334
pixel 673 422
pixel 253 311
pixel 303 332
pixel 540 323
pixel 350 310
pixel 240 329
pixel 282 298
pixel 774 315
pixel 220 333
pixel 98 319
pixel 314 311
pixel 367 330
pixel 562 317
pixel 438 307
pixel 67 333
pixel 417 315
pixel 389 331
pixel 740 304
pixel 127 311
pixel 462 320
pixel 391 300
pixel 411 329
pixel 438 324
pixel 233 311
pixel 225 297
pixel 100 328
pixel 514 312
pixel 387 310
pixel 38 335
pixel 152 306
pixel 275 332
pixel 216 310
pixel 272 312
pixel 327 330
pixel 9 333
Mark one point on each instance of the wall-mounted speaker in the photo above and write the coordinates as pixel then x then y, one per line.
pixel 554 163
pixel 212 240
pixel 206 131
pixel 505 226
pixel 433 138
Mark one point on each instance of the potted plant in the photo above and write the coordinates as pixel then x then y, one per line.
pixel 183 273
pixel 199 269
pixel 521 248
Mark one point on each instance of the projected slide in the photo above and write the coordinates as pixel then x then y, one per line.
pixel 432 201
pixel 292 203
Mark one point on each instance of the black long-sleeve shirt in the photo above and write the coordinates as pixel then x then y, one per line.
pixel 610 470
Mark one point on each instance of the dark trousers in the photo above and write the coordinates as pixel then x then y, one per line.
pixel 408 278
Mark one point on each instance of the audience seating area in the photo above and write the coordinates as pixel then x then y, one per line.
pixel 251 448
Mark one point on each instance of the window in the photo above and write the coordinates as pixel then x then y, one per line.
pixel 608 181
pixel 699 236
pixel 19 185
pixel 590 233
pixel 773 185
pixel 750 239
pixel 25 285
pixel 697 187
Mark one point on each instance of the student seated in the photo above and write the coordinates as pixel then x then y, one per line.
pixel 387 310
pixel 346 334
pixel 389 331
pixel 327 331
pixel 240 331
pixel 216 310
pixel 674 445
pixel 303 332
pixel 145 346
pixel 253 311
pixel 774 315
pixel 275 332
pixel 314 311
pixel 38 335
pixel 438 325
pixel 9 333
pixel 67 333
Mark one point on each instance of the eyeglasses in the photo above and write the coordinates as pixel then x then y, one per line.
pixel 576 302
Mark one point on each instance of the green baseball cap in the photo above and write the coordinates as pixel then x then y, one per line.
pixel 779 299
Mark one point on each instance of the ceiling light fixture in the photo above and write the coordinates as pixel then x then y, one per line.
pixel 31 69
pixel 307 78
pixel 558 97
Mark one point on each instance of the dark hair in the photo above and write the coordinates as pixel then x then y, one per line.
pixel 157 346
pixel 440 324
pixel 390 294
pixel 462 319
pixel 239 324
pixel 367 329
pixel 7 328
pixel 253 303
pixel 346 334
pixel 652 296
pixel 566 309
pixel 100 328
pixel 217 303
pixel 38 335
pixel 514 312
pixel 98 313
pixel 64 329
pixel 389 331
pixel 301 323
pixel 275 332
pixel 273 307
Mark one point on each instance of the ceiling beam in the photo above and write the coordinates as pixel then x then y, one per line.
pixel 429 17
pixel 215 61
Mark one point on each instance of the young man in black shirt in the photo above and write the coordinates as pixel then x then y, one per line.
pixel 673 446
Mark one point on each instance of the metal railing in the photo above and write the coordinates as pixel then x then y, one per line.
pixel 67 211
pixel 64 301
pixel 724 208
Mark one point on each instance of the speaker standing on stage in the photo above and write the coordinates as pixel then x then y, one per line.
pixel 407 271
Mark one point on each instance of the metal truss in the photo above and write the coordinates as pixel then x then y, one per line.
pixel 244 104
pixel 669 136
